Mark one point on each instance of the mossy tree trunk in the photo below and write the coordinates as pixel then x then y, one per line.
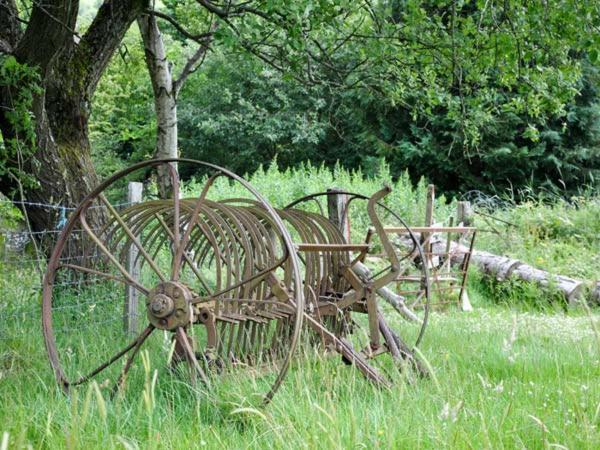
pixel 69 68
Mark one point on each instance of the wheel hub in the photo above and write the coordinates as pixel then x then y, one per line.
pixel 169 306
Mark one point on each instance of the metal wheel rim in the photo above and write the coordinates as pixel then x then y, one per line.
pixel 53 266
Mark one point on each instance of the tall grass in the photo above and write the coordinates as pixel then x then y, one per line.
pixel 504 377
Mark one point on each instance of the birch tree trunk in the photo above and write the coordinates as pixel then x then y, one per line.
pixel 165 98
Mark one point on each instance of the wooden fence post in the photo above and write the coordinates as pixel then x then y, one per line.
pixel 464 214
pixel 130 308
pixel 337 210
pixel 429 217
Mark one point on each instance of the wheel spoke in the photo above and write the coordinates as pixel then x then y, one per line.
pixel 132 237
pixel 182 338
pixel 110 256
pixel 122 376
pixel 259 275
pixel 137 342
pixel 108 276
pixel 191 263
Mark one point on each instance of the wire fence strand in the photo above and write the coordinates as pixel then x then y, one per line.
pixel 21 283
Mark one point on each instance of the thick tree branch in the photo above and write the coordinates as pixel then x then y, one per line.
pixel 211 7
pixel 194 37
pixel 194 61
pixel 98 44
pixel 47 33
pixel 232 10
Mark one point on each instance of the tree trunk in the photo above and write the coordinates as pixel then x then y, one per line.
pixel 165 98
pixel 62 164
pixel 503 268
pixel 69 70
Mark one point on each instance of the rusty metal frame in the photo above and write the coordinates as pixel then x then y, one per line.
pixel 250 310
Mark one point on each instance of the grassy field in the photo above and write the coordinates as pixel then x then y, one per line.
pixel 503 378
pixel 518 371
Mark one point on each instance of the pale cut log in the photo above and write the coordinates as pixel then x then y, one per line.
pixel 570 287
pixel 397 301
pixel 503 268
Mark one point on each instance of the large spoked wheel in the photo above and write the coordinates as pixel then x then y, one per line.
pixel 389 324
pixel 185 261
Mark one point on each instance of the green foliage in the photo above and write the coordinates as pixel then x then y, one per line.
pixel 553 234
pixel 239 114
pixel 560 152
pixel 471 95
pixel 10 216
pixel 123 123
pixel 522 295
pixel 21 83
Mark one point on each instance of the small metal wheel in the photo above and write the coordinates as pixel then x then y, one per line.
pixel 214 284
pixel 362 289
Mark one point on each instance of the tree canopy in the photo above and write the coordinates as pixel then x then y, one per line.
pixel 472 94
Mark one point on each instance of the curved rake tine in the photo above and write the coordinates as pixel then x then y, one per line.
pixel 191 263
pixel 182 338
pixel 103 366
pixel 136 348
pixel 191 223
pixel 176 206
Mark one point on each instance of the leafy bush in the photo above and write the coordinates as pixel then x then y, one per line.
pixel 240 114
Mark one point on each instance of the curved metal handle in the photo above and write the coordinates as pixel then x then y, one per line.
pixel 387 245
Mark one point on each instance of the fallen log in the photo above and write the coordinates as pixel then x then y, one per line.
pixel 502 268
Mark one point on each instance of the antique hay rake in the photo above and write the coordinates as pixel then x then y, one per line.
pixel 230 283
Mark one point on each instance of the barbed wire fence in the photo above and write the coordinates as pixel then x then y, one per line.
pixel 23 263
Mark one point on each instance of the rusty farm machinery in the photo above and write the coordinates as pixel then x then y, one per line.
pixel 225 284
